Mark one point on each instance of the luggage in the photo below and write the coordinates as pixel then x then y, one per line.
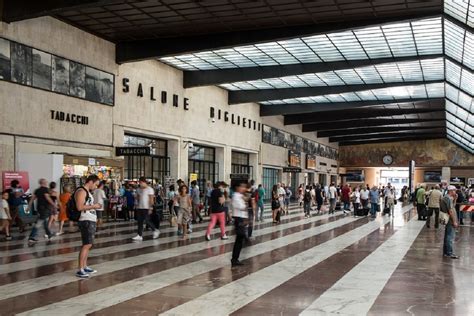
pixel 362 212
pixel 386 210
pixel 338 206
pixel 28 217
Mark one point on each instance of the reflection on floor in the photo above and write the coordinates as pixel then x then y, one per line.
pixel 327 264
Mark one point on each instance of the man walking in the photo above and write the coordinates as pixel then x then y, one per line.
pixel 332 198
pixel 87 222
pixel 195 197
pixel 241 216
pixel 260 203
pixel 433 206
pixel 44 205
pixel 146 200
pixel 420 203
pixel 374 196
pixel 14 202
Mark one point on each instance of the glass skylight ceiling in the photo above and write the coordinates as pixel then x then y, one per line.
pixel 432 90
pixel 430 69
pixel 422 37
pixel 462 10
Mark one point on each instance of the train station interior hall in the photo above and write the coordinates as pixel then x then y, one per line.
pixel 237 157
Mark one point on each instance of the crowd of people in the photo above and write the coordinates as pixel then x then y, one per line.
pixel 239 204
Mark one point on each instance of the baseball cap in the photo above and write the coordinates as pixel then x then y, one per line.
pixel 451 188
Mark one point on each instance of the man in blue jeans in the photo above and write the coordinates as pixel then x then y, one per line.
pixel 447 205
pixel 374 197
pixel 44 206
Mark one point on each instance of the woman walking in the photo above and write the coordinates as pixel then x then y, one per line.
pixel 53 209
pixel 275 204
pixel 241 216
pixel 63 199
pixel 184 210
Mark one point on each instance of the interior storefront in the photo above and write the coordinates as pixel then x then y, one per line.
pixel 202 164
pixel 155 166
pixel 241 164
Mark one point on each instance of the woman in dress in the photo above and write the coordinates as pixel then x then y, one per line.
pixel 275 204
pixel 54 209
pixel 185 208
pixel 63 199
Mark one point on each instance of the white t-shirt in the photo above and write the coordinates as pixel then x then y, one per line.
pixel 332 192
pixel 144 197
pixel 89 215
pixel 281 193
pixel 99 196
pixel 364 194
pixel 239 207
pixel 3 209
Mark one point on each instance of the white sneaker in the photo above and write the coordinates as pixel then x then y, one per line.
pixel 156 234
pixel 137 238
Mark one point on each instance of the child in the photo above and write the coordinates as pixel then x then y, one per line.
pixel 5 216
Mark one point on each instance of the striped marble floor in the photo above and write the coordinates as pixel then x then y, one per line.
pixel 324 265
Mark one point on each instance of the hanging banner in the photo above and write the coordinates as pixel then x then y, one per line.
pixel 411 174
pixel 193 177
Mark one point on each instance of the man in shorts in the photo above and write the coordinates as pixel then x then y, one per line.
pixel 87 222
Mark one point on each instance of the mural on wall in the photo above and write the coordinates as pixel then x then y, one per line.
pixel 32 67
pixel 274 136
pixel 436 153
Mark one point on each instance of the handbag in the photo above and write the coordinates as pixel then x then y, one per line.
pixel 443 218
pixel 173 221
pixel 275 204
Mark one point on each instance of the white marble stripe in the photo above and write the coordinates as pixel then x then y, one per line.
pixel 356 292
pixel 37 284
pixel 42 245
pixel 112 295
pixel 40 261
pixel 237 294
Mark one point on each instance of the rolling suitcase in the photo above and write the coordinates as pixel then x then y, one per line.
pixel 338 206
pixel 362 212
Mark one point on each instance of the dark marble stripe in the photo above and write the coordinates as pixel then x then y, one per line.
pixel 119 241
pixel 179 293
pixel 294 296
pixel 51 295
pixel 425 283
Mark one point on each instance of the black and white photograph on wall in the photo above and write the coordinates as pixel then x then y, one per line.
pixel 21 64
pixel 312 148
pixel 93 84
pixel 106 88
pixel 267 134
pixel 287 140
pixel 41 69
pixel 305 145
pixel 293 142
pixel 274 136
pixel 77 84
pixel 299 144
pixel 5 59
pixel 60 75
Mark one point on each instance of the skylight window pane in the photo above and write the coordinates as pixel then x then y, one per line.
pixel 389 72
pixel 369 74
pixel 348 45
pixel 457 9
pixel 411 71
pixel 468 58
pixel 467 81
pixel 452 93
pixel 350 97
pixel 367 95
pixel 323 47
pixel 454 38
pixel 435 90
pixel 451 107
pixel 428 36
pixel 335 98
pixel 330 78
pixel 350 76
pixel 400 39
pixel 373 41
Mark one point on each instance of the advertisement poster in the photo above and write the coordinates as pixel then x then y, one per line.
pixel 311 162
pixel 294 159
pixel 21 176
pixel 193 177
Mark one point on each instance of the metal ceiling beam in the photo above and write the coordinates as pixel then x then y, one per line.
pixel 155 48
pixel 390 134
pixel 336 116
pixel 394 139
pixel 298 108
pixel 17 10
pixel 216 77
pixel 371 130
pixel 246 96
pixel 364 123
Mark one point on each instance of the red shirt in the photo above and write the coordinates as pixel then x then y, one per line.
pixel 345 194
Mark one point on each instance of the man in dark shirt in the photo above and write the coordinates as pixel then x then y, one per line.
pixel 44 205
pixel 217 211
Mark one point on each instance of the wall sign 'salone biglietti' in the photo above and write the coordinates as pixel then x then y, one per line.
pixel 35 68
pixel 234 119
pixel 274 136
pixel 153 94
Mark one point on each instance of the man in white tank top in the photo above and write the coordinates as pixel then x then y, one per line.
pixel 87 222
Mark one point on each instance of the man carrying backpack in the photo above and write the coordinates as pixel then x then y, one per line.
pixel 83 202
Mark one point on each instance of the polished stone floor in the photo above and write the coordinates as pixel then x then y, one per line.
pixel 325 265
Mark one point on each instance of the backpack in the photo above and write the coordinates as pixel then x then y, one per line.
pixel 307 196
pixel 71 208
